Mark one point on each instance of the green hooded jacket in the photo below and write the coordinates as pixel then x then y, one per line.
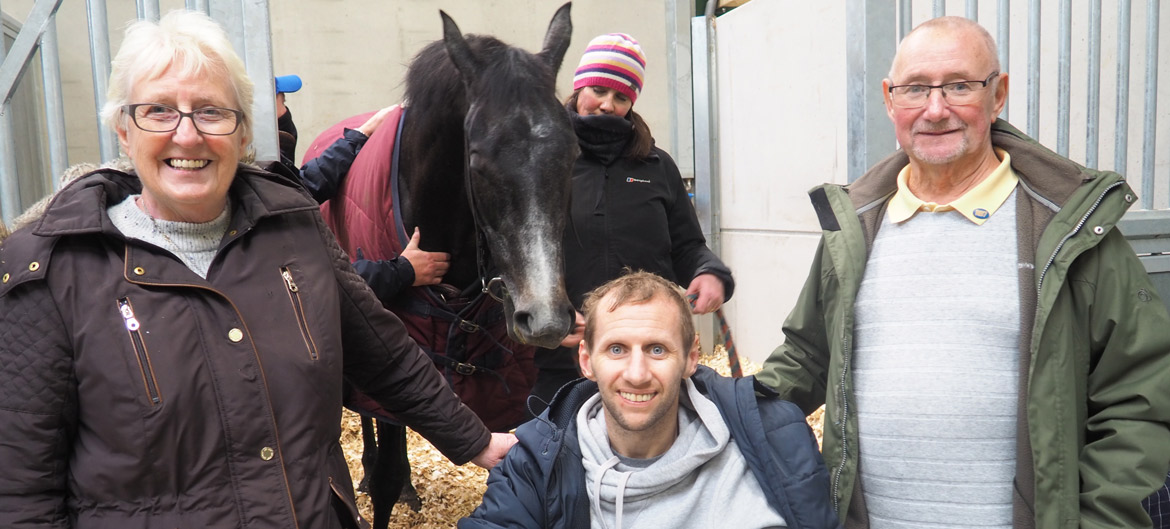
pixel 1095 342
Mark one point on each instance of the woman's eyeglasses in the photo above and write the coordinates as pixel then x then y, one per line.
pixel 156 117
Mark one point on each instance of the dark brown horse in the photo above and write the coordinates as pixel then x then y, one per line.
pixel 482 161
pixel 488 147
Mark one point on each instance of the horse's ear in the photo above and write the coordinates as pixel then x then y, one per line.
pixel 458 49
pixel 556 40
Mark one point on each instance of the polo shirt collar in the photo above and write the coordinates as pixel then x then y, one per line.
pixel 977 205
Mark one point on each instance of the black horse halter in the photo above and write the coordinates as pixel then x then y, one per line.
pixel 495 286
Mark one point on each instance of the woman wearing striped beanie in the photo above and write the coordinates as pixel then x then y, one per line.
pixel 608 81
pixel 630 209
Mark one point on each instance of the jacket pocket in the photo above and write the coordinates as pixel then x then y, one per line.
pixel 294 297
pixel 141 354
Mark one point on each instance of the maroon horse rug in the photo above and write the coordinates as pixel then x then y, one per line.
pixel 463 330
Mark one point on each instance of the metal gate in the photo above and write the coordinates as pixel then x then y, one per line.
pixel 1147 228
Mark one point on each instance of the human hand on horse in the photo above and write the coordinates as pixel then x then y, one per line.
pixel 375 121
pixel 708 292
pixel 577 333
pixel 429 267
pixel 496 449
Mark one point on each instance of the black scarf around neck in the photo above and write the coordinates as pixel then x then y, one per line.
pixel 604 136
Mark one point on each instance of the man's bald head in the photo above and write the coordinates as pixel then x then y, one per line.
pixel 951 25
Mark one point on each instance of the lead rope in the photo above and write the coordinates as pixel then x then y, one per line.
pixel 728 344
pixel 724 338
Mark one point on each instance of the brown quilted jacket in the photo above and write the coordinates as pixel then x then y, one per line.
pixel 135 394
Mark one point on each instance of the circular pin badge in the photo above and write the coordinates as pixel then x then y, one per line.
pixel 981 213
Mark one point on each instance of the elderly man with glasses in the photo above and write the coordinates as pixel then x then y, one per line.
pixel 988 348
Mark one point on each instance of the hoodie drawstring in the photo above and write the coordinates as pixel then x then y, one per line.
pixel 621 491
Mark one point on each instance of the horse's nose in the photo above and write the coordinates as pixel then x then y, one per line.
pixel 526 325
pixel 522 319
pixel 547 331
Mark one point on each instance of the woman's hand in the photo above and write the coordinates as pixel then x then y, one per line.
pixel 429 267
pixel 374 122
pixel 576 333
pixel 708 292
pixel 496 449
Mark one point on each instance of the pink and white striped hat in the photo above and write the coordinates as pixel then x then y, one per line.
pixel 614 60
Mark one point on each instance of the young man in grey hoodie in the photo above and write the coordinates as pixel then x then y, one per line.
pixel 651 439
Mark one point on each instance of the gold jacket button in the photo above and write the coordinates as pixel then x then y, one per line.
pixel 138 270
pixel 266 453
pixel 235 335
pixel 34 266
pixel 6 278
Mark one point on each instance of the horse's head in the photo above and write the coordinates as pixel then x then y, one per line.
pixel 520 153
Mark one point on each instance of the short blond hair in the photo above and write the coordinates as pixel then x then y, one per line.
pixel 634 288
pixel 188 40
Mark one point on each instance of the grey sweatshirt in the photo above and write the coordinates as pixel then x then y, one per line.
pixel 701 481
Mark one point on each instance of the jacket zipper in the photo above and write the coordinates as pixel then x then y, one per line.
pixel 844 419
pixel 294 296
pixel 1077 228
pixel 140 353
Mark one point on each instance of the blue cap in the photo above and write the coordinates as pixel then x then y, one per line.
pixel 287 84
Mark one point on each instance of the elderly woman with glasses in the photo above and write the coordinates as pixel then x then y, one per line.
pixel 173 341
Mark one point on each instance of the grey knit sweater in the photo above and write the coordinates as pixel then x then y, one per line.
pixel 195 244
pixel 936 371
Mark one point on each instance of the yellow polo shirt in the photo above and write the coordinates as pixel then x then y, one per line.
pixel 977 205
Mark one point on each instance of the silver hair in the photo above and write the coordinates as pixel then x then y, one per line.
pixel 188 40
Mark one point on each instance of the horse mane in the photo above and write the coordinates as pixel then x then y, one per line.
pixel 434 86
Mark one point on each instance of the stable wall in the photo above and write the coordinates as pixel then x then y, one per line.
pixel 352 54
pixel 782 131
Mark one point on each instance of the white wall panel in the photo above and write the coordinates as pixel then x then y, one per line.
pixel 782 131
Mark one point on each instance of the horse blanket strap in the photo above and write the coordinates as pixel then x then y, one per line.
pixel 465 336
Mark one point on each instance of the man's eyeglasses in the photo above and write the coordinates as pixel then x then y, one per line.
pixel 956 93
pixel 156 117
